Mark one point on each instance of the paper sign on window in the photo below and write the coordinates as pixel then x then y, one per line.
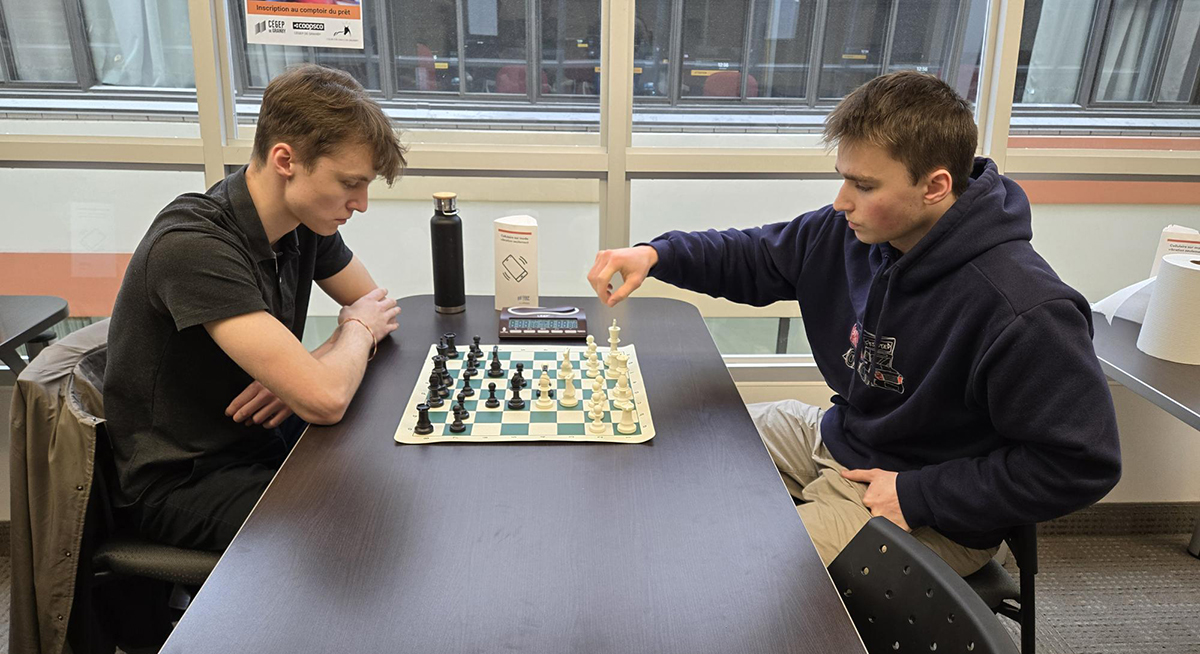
pixel 331 24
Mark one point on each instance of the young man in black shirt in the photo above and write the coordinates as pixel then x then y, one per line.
pixel 205 364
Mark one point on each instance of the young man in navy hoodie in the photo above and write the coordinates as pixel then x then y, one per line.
pixel 968 398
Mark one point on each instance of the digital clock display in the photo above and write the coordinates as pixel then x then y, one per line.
pixel 543 323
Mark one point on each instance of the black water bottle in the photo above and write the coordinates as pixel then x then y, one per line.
pixel 445 232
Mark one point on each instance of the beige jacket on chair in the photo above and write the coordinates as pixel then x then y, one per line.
pixel 52 456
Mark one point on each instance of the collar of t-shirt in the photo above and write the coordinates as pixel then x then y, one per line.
pixel 251 225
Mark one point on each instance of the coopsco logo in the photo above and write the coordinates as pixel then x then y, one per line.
pixel 308 26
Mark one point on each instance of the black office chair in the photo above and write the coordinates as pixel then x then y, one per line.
pixel 904 597
pixel 125 584
pixel 997 589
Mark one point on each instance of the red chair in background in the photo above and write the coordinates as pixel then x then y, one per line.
pixel 728 84
pixel 512 79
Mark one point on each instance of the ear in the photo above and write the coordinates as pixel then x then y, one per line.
pixel 938 186
pixel 282 160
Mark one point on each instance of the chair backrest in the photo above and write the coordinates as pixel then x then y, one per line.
pixel 728 84
pixel 904 597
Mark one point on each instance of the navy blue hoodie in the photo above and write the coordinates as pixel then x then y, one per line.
pixel 966 365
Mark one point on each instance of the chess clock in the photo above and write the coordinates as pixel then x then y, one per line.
pixel 566 323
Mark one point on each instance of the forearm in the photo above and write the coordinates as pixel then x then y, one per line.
pixel 344 358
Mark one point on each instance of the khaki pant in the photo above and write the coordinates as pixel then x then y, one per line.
pixel 831 506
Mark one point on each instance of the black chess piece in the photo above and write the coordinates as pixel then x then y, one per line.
pixel 423 424
pixel 515 402
pixel 439 364
pixel 451 351
pixel 495 369
pixel 475 348
pixel 441 347
pixel 460 410
pixel 519 377
pixel 492 402
pixel 468 390
pixel 434 398
pixel 457 426
pixel 435 382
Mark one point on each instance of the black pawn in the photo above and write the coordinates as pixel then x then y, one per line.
pixel 423 424
pixel 515 402
pixel 468 390
pixel 475 348
pixel 457 426
pixel 460 411
pixel 492 402
pixel 451 351
pixel 434 399
pixel 435 382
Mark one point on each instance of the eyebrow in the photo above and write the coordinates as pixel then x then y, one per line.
pixel 359 178
pixel 856 178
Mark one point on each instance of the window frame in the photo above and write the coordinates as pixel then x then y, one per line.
pixel 1087 105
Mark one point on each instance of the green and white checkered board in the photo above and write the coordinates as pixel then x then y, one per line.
pixel 503 424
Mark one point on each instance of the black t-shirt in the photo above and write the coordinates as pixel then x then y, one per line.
pixel 205 257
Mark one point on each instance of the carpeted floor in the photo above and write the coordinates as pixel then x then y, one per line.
pixel 1096 595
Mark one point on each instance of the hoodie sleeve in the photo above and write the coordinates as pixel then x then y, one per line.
pixel 755 266
pixel 1046 395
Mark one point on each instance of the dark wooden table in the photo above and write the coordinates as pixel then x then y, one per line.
pixel 687 543
pixel 1174 387
pixel 21 318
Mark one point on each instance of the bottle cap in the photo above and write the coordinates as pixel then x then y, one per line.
pixel 445 202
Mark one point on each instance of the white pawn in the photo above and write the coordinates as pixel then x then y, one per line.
pixel 597 385
pixel 591 345
pixel 627 425
pixel 622 393
pixel 569 399
pixel 593 365
pixel 599 404
pixel 596 426
pixel 544 401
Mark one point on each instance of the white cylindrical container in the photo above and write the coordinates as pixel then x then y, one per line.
pixel 1172 328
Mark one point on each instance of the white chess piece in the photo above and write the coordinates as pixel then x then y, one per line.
pixel 568 398
pixel 596 426
pixel 597 385
pixel 622 394
pixel 627 425
pixel 599 404
pixel 593 365
pixel 614 337
pixel 566 370
pixel 544 401
pixel 613 369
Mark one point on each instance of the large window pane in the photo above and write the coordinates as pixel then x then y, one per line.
pixel 1183 57
pixel 923 35
pixel 266 61
pixel 1054 39
pixel 714 32
pixel 140 43
pixel 494 34
pixel 779 48
pixel 1132 42
pixel 425 45
pixel 652 48
pixel 571 45
pixel 854 37
pixel 37 32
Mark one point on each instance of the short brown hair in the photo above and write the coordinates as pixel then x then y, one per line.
pixel 917 118
pixel 317 110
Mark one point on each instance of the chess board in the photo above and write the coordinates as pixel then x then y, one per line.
pixel 502 424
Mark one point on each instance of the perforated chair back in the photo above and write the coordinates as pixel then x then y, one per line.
pixel 904 598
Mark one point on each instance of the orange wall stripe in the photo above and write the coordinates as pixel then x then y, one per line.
pixel 88 282
pixel 1046 191
pixel 1178 143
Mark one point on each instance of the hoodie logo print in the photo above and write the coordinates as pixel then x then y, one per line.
pixel 879 350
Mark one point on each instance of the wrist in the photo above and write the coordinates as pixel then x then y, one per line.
pixel 370 333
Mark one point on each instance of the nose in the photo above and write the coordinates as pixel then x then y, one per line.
pixel 358 202
pixel 842 201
